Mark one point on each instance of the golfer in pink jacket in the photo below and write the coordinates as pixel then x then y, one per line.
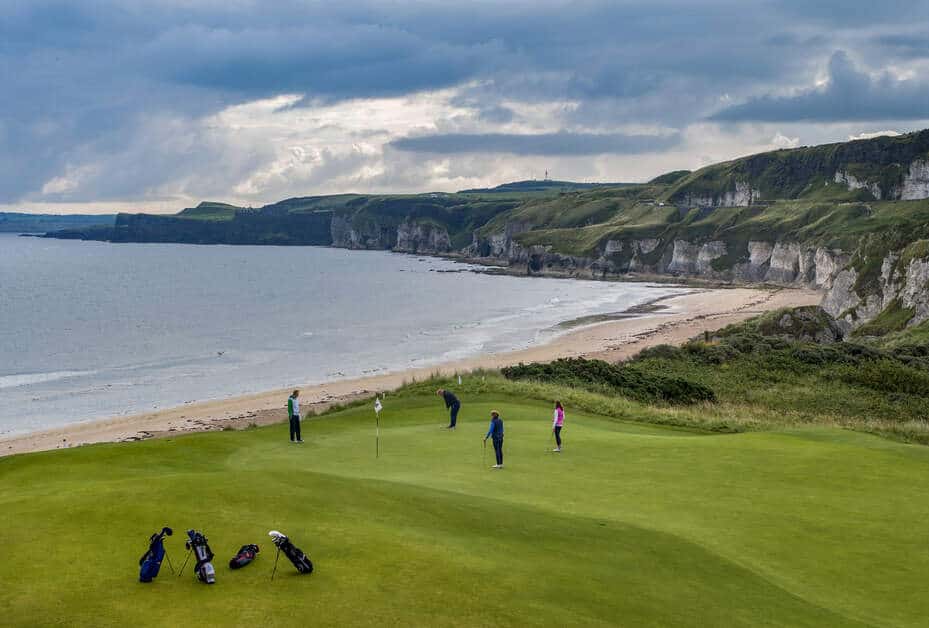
pixel 557 424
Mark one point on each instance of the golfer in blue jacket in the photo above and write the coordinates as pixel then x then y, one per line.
pixel 495 433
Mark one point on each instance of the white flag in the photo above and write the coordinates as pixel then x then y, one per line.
pixel 377 406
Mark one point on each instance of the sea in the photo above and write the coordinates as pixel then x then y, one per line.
pixel 94 329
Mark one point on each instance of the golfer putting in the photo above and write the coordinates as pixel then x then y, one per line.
pixel 495 433
pixel 452 404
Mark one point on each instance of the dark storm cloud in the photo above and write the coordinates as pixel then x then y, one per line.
pixel 538 144
pixel 83 80
pixel 849 94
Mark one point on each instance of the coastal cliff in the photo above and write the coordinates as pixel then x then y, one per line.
pixel 851 219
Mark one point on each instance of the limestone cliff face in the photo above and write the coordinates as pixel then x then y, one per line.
pixel 916 182
pixel 415 237
pixel 351 233
pixel 742 196
pixel 906 284
pixel 853 183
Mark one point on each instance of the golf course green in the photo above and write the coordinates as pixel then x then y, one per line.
pixel 632 525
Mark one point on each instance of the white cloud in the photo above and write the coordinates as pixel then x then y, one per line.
pixel 782 141
pixel 868 136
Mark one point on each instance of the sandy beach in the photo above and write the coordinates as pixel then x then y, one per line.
pixel 678 319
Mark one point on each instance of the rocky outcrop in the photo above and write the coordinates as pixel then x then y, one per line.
pixel 916 182
pixel 853 183
pixel 903 280
pixel 350 232
pixel 415 237
pixel 499 245
pixel 913 289
pixel 808 324
pixel 693 259
pixel 742 195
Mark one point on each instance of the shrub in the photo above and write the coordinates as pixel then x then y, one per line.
pixel 886 376
pixel 624 380
pixel 660 352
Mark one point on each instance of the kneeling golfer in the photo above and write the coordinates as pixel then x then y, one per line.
pixel 452 403
pixel 293 412
pixel 496 434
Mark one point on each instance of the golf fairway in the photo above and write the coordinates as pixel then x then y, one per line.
pixel 632 525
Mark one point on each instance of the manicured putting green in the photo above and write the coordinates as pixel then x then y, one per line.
pixel 630 526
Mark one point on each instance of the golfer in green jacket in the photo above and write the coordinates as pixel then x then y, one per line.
pixel 293 412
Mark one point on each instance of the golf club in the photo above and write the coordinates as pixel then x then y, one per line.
pixel 484 455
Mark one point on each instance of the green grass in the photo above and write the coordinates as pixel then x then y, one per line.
pixel 632 525
pixel 210 211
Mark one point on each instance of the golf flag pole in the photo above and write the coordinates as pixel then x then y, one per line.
pixel 459 380
pixel 377 427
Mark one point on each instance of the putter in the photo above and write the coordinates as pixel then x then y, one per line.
pixel 484 455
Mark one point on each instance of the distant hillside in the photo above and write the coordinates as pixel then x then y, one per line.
pixel 851 219
pixel 13 222
pixel 882 168
pixel 545 185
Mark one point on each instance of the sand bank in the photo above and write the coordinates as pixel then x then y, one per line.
pixel 680 318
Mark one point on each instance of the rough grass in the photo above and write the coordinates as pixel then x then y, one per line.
pixel 632 525
pixel 892 318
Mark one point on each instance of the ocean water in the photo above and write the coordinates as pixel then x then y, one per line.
pixel 92 329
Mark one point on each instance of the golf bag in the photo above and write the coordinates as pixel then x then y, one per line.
pixel 197 543
pixel 293 553
pixel 244 557
pixel 150 563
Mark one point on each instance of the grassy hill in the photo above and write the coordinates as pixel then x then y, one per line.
pixel 14 222
pixel 880 164
pixel 632 525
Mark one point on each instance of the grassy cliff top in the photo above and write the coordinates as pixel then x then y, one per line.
pixel 804 172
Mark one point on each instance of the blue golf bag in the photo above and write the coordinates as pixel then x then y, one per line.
pixel 150 563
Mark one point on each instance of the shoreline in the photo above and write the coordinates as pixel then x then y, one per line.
pixel 616 337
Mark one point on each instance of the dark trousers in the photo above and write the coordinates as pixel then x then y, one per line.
pixel 558 435
pixel 498 449
pixel 295 428
pixel 454 414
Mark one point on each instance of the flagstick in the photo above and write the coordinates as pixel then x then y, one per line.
pixel 377 427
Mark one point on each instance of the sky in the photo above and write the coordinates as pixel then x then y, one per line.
pixel 157 105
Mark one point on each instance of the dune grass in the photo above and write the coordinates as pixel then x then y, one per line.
pixel 632 525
